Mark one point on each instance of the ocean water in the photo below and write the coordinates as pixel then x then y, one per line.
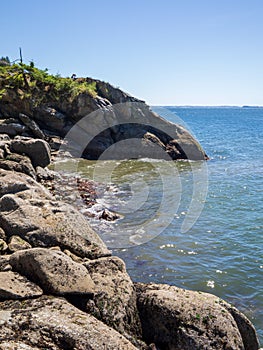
pixel 196 225
pixel 223 252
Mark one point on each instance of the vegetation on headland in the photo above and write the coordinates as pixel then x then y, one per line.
pixel 38 84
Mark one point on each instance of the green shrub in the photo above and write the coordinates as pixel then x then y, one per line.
pixel 40 84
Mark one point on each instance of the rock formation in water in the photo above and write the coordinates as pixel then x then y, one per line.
pixel 60 287
pixel 34 103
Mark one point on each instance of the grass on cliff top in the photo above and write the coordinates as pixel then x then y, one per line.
pixel 32 82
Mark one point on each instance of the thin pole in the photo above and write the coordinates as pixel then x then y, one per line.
pixel 20 52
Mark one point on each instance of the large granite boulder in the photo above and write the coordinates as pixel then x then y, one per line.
pixel 176 319
pixel 12 129
pixel 22 185
pixel 244 325
pixel 53 323
pixel 114 300
pixel 36 149
pixel 50 118
pixel 32 126
pixel 15 286
pixel 53 270
pixel 29 211
pixel 130 130
pixel 18 163
pixel 44 223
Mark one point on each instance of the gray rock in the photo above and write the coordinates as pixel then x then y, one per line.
pixel 81 105
pixel 109 215
pixel 113 94
pixel 50 118
pixel 22 185
pixel 32 125
pixel 114 300
pixel 12 129
pixel 2 234
pixel 54 271
pixel 18 163
pixel 46 223
pixel 4 263
pixel 27 210
pixel 3 246
pixel 11 345
pixel 245 327
pixel 52 323
pixel 15 286
pixel 72 256
pixel 36 149
pixel 132 130
pixel 4 148
pixel 4 137
pixel 174 318
pixel 17 243
pixel 44 174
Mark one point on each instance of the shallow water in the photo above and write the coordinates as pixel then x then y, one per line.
pixel 197 225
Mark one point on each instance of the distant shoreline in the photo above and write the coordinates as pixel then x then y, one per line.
pixel 193 106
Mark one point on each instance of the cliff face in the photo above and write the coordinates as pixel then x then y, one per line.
pixel 105 115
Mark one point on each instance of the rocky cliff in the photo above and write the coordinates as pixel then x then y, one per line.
pixel 60 287
pixel 91 114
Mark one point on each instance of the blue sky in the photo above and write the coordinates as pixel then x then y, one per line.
pixel 166 52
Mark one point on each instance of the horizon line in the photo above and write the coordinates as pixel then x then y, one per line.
pixel 215 106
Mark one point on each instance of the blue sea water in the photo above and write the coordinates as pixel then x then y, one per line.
pixel 223 252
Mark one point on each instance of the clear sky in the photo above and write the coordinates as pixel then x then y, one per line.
pixel 166 52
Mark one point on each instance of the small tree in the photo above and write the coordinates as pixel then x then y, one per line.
pixel 4 61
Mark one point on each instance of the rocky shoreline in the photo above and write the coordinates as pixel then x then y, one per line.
pixel 60 287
